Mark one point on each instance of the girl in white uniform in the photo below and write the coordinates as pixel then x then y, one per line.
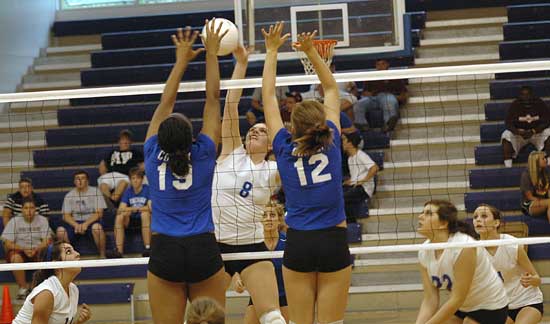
pixel 477 293
pixel 520 277
pixel 54 298
pixel 244 182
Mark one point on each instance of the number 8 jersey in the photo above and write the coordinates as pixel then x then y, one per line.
pixel 181 205
pixel 312 184
pixel 487 290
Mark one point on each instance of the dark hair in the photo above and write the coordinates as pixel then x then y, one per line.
pixel 447 212
pixel 205 311
pixel 311 132
pixel 28 200
pixel 296 95
pixel 27 180
pixel 494 211
pixel 125 133
pixel 526 88
pixel 175 137
pixel 354 138
pixel 136 171
pixel 80 171
pixel 40 275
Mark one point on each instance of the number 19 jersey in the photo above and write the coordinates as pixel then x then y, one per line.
pixel 181 205
pixel 312 184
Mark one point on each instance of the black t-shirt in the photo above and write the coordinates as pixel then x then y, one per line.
pixel 123 161
pixel 540 190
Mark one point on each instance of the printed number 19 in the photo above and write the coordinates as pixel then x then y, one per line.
pixel 316 175
pixel 180 183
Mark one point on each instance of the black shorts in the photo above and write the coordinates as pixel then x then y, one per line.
pixel 232 267
pixel 484 316
pixel 188 259
pixel 513 313
pixel 324 250
pixel 282 301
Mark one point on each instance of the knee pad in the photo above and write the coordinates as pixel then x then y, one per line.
pixel 272 317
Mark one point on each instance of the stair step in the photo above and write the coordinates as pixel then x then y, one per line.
pixel 466 22
pixel 458 41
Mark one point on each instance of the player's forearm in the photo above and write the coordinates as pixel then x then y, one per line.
pixel 446 311
pixel 170 92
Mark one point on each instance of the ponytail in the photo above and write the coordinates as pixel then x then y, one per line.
pixel 179 162
pixel 315 139
pixel 175 137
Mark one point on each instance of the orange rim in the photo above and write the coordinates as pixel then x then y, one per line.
pixel 324 47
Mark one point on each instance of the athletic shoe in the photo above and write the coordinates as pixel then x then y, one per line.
pixel 146 253
pixel 22 293
pixel 114 254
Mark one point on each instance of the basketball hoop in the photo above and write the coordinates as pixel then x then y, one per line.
pixel 325 48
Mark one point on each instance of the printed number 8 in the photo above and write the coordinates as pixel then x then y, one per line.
pixel 245 191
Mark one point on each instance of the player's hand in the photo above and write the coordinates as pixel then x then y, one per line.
pixel 85 314
pixel 28 252
pixel 347 182
pixel 273 38
pixel 305 41
pixel 183 41
pixel 241 54
pixel 528 279
pixel 213 36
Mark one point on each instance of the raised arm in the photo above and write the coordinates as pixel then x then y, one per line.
pixel 330 87
pixel 231 134
pixel 184 54
pixel 211 115
pixel 273 41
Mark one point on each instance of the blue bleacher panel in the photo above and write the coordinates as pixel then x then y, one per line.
pixel 109 25
pixel 134 112
pixel 490 133
pixel 522 75
pixel 375 140
pixel 525 49
pixel 503 200
pixel 492 154
pixel 506 89
pixel 106 134
pixel 495 178
pixel 418 19
pixel 526 30
pixel 529 12
pixel 378 158
pixel 111 293
pixel 495 111
pixel 60 178
pixel 54 199
pixel 539 251
pixel 129 271
pixel 354 232
pixel 430 5
pixel 70 157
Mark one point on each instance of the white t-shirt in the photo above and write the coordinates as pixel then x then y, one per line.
pixel 359 166
pixel 487 290
pixel 314 94
pixel 27 235
pixel 505 261
pixel 240 191
pixel 82 205
pixel 64 307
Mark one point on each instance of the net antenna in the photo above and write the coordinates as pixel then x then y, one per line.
pixel 325 48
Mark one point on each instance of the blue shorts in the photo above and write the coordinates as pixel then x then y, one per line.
pixel 70 230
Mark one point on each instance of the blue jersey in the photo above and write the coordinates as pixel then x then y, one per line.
pixel 312 184
pixel 278 264
pixel 136 199
pixel 181 205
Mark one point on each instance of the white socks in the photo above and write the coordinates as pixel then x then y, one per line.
pixel 508 163
pixel 272 317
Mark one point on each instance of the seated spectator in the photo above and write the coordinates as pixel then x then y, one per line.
pixel 534 185
pixel 15 201
pixel 527 121
pixel 82 212
pixel 26 239
pixel 347 100
pixel 205 310
pixel 348 87
pixel 360 186
pixel 385 95
pixel 255 114
pixel 114 168
pixel 135 205
pixel 292 98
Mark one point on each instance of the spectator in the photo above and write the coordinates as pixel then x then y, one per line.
pixel 135 205
pixel 347 100
pixel 255 114
pixel 527 121
pixel 360 186
pixel 82 212
pixel 534 185
pixel 25 240
pixel 348 87
pixel 15 201
pixel 114 168
pixel 385 95
pixel 292 98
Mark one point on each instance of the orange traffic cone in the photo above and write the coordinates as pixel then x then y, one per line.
pixel 6 317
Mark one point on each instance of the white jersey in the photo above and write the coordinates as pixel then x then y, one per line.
pixel 64 307
pixel 505 261
pixel 240 191
pixel 487 290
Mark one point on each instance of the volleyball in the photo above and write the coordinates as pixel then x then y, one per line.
pixel 230 41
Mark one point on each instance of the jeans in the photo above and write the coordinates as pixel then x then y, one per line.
pixel 387 102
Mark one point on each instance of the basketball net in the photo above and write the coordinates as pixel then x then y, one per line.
pixel 325 48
